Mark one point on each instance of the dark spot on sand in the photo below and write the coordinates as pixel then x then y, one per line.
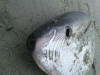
pixel 9 28
pixel 0 26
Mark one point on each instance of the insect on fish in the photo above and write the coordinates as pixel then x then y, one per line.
pixel 64 45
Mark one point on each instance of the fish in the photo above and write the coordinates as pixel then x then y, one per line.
pixel 65 45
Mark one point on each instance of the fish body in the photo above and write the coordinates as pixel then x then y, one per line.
pixel 65 45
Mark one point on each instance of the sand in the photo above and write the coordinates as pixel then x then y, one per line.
pixel 18 18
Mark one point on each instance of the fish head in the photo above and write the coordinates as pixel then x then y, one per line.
pixel 65 47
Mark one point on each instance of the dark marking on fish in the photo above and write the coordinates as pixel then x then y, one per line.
pixel 70 70
pixel 94 68
pixel 76 56
pixel 86 58
pixel 94 22
pixel 81 48
pixel 68 44
pixel 55 56
pixel 97 30
pixel 87 27
pixel 52 55
pixel 68 31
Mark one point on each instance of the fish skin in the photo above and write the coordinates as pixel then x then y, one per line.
pixel 50 44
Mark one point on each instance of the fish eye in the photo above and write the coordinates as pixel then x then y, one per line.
pixel 68 31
